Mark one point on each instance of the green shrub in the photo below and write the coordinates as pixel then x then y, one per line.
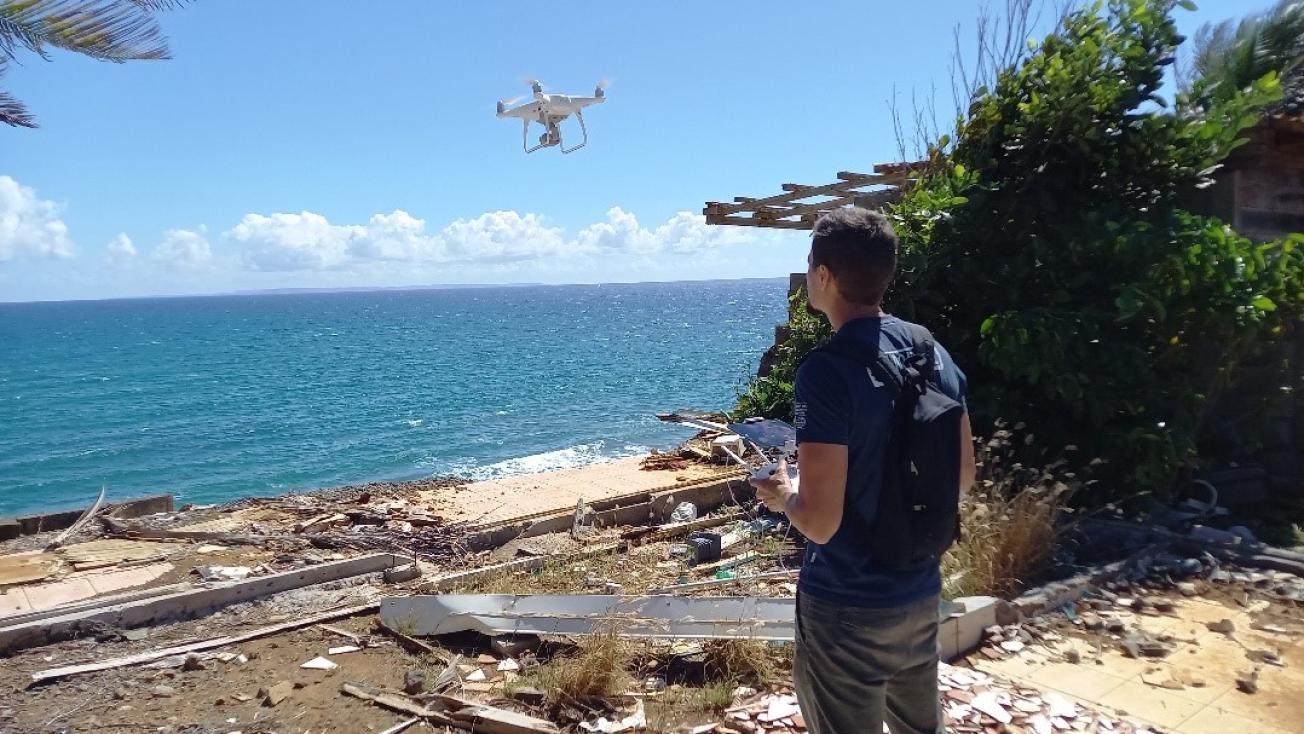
pixel 1047 248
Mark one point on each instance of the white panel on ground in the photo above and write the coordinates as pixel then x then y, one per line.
pixel 652 616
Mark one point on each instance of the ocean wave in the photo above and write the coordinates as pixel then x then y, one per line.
pixel 414 423
pixel 573 457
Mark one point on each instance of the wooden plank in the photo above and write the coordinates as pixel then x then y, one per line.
pixel 45 676
pixel 187 604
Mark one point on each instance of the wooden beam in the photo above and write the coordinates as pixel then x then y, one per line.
pixel 838 188
pixel 44 676
pixel 749 222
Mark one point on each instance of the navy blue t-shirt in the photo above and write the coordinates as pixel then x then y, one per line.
pixel 839 401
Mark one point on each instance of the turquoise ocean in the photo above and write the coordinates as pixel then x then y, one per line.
pixel 219 397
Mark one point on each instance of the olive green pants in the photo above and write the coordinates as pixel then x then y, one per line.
pixel 857 668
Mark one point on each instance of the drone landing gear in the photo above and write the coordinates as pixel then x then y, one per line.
pixel 584 129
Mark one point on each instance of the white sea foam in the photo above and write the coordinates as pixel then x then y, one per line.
pixel 567 458
pixel 415 422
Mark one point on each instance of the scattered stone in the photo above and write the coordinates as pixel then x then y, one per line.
pixel 1220 577
pixel 1116 626
pixel 1012 645
pixel 163 691
pixel 1222 626
pixel 220 702
pixel 1073 656
pixel 135 635
pixel 1092 622
pixel 1164 606
pixel 300 685
pixel 276 693
pixel 1173 685
pixel 1189 567
pixel 414 682
pixel 193 662
pixel 1248 683
pixel 242 697
pixel 487 660
pixel 120 694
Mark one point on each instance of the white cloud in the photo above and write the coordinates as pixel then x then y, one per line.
pixel 121 250
pixel 683 233
pixel 30 226
pixel 308 241
pixel 304 241
pixel 504 235
pixel 184 249
pixel 396 236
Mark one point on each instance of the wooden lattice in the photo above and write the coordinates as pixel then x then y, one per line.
pixel 799 206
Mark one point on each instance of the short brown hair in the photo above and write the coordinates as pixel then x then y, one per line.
pixel 859 247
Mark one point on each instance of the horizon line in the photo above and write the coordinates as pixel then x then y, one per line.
pixel 379 288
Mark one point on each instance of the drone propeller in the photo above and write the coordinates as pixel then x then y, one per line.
pixel 514 101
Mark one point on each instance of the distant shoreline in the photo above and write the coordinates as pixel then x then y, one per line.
pixel 383 289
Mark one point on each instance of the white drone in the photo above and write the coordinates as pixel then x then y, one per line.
pixel 549 110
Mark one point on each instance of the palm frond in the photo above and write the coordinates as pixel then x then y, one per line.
pixel 12 112
pixel 109 30
pixel 14 35
pixel 160 4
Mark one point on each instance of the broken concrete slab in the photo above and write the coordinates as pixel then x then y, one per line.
pixel 61 520
pixel 186 604
pixel 654 616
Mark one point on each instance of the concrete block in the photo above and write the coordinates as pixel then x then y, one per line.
pixel 948 638
pixel 979 614
pixel 399 574
pixel 9 528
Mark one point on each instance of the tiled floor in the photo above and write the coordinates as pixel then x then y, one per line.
pixel 502 500
pixel 77 586
pixel 1204 662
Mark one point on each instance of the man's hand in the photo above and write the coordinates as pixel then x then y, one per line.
pixel 776 491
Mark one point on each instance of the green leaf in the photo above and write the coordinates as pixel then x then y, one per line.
pixel 1263 303
pixel 987 326
pixel 1188 5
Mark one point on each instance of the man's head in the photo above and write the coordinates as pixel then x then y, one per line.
pixel 853 254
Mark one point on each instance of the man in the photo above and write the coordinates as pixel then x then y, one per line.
pixel 866 648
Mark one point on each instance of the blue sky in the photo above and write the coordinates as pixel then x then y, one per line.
pixel 307 143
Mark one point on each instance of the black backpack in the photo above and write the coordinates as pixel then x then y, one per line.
pixel 918 514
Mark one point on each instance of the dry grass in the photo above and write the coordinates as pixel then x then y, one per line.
pixel 597 670
pixel 1005 543
pixel 745 661
pixel 1009 521
pixel 570 576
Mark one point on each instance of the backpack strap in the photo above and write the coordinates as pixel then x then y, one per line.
pixel 919 367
